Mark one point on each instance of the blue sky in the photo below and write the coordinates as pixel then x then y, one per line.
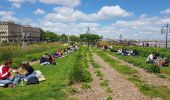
pixel 134 19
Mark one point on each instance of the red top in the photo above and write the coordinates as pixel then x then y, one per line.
pixel 4 74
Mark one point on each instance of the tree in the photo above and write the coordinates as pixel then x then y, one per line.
pixel 90 37
pixel 73 38
pixel 48 36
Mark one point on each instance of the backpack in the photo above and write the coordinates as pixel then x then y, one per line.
pixel 32 80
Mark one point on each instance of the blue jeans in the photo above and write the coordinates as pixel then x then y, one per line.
pixel 18 78
pixel 6 81
pixel 45 63
pixel 29 76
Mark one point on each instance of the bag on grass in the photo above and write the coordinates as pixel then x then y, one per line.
pixel 3 85
pixel 32 80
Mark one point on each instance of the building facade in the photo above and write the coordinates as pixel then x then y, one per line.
pixel 11 32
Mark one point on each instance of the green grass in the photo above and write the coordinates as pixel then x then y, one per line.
pixel 104 83
pixel 51 89
pixel 15 51
pixel 146 89
pixel 71 90
pixel 32 52
pixel 116 65
pixel 99 74
pixel 140 61
pixel 86 86
pixel 149 90
pixel 109 97
pixel 79 73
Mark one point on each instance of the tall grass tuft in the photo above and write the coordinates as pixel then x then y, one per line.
pixel 79 72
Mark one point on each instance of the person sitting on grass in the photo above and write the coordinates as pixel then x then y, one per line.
pixel 44 60
pixel 29 71
pixel 21 73
pixel 151 58
pixel 5 73
pixel 51 59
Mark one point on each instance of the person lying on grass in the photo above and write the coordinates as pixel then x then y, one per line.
pixel 47 59
pixel 5 73
pixel 44 60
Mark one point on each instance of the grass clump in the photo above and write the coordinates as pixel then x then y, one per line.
pixel 109 97
pixel 79 72
pixel 72 89
pixel 153 69
pixel 108 90
pixel 95 65
pixel 86 86
pixel 161 76
pixel 99 74
pixel 104 83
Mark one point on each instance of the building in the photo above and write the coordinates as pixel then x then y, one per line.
pixel 12 32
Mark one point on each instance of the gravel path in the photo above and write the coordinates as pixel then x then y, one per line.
pixel 95 93
pixel 122 88
pixel 148 77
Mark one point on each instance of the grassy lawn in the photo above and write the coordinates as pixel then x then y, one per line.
pixel 116 64
pixel 51 89
pixel 133 77
pixel 141 62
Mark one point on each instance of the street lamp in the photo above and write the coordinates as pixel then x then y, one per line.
pixel 165 30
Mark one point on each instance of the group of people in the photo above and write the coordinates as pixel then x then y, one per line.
pixel 23 73
pixel 47 59
pixel 154 59
pixel 126 52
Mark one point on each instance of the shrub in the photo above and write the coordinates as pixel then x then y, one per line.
pixel 79 72
pixel 153 68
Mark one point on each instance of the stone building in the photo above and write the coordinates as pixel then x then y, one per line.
pixel 12 32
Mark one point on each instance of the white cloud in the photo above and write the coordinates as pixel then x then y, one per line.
pixel 68 3
pixel 16 3
pixel 39 12
pixel 143 16
pixel 67 14
pixel 167 11
pixel 6 13
pixel 112 11
pixel 146 28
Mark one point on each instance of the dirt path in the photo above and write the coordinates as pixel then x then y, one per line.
pixel 34 62
pixel 122 88
pixel 95 93
pixel 148 77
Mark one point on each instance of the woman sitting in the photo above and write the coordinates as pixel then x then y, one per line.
pixel 24 72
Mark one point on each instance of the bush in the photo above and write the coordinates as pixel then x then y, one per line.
pixel 79 72
pixel 153 69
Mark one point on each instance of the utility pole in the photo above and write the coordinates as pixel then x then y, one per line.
pixel 166 30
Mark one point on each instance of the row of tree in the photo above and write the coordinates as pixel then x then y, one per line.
pixel 51 37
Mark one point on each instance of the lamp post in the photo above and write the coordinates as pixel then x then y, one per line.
pixel 165 30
